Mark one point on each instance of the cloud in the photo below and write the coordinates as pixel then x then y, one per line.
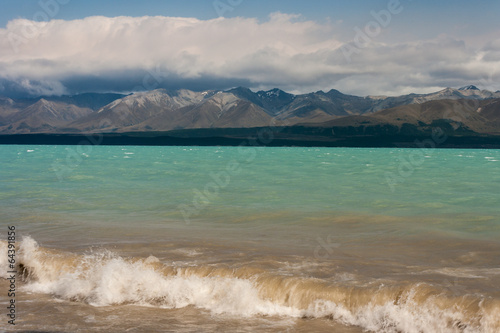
pixel 142 53
pixel 23 87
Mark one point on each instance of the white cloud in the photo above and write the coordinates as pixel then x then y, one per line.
pixel 285 52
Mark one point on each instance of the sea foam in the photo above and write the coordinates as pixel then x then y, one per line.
pixel 103 278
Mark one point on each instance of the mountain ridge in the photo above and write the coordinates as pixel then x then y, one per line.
pixel 240 107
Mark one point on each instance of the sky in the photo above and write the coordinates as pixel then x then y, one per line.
pixel 389 47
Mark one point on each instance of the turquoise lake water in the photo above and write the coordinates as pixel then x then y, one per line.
pixel 423 221
pixel 155 183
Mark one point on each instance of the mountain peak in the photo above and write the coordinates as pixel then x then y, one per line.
pixel 42 102
pixel 470 87
pixel 241 92
pixel 334 92
pixel 240 88
pixel 270 93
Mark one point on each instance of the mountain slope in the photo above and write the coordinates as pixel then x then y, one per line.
pixel 469 92
pixel 237 114
pixel 299 107
pixel 453 117
pixel 162 110
pixel 220 110
pixel 43 116
pixel 137 108
pixel 272 101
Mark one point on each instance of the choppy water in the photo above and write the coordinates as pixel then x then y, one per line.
pixel 234 239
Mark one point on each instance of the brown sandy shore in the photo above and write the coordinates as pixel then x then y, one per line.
pixel 214 285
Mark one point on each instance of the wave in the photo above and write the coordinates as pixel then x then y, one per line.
pixel 103 278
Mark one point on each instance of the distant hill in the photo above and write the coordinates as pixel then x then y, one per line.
pixel 43 116
pixel 220 110
pixel 49 114
pixel 454 117
pixel 459 112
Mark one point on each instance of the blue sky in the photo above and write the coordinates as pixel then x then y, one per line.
pixel 421 14
pixel 433 44
pixel 202 9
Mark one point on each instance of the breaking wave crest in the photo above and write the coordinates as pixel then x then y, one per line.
pixel 104 278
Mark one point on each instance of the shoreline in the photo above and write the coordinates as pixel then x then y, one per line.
pixel 254 137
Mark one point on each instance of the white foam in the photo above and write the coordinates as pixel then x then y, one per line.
pixel 103 279
pixel 392 318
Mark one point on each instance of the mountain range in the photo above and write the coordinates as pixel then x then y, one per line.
pixel 464 111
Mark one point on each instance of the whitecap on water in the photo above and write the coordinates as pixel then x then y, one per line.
pixel 103 279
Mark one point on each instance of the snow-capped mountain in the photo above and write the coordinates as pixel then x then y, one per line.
pixel 162 110
pixel 468 92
